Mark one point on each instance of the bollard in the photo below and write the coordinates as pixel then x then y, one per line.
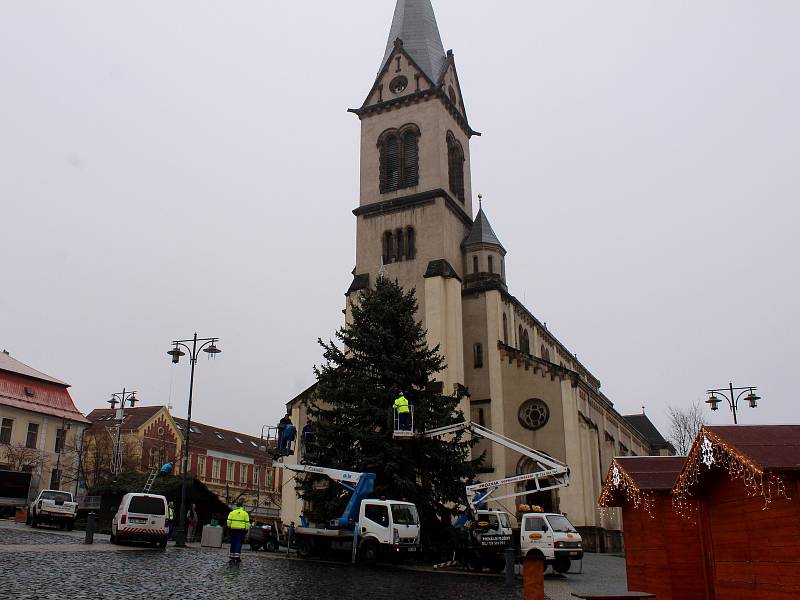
pixel 91 522
pixel 510 566
pixel 533 577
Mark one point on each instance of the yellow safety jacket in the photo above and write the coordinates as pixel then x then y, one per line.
pixel 238 519
pixel 401 405
pixel 171 515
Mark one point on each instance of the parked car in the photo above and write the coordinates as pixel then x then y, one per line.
pixel 141 518
pixel 53 507
pixel 263 536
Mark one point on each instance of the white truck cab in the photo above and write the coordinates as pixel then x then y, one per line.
pixel 391 523
pixel 551 536
pixel 53 506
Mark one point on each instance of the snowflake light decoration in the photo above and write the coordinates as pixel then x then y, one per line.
pixel 615 477
pixel 707 449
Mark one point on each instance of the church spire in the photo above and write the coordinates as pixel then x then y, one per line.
pixel 415 25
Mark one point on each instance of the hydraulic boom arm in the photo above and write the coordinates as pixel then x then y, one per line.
pixel 549 473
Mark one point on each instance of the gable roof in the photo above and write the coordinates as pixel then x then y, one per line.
pixel 482 232
pixel 415 24
pixel 134 417
pixel 12 365
pixel 773 448
pixel 645 426
pixel 206 436
pixel 658 473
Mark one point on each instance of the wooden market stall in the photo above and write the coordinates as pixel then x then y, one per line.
pixel 741 485
pixel 663 555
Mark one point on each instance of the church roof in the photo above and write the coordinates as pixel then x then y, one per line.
pixel 482 232
pixel 415 24
pixel 645 426
pixel 12 365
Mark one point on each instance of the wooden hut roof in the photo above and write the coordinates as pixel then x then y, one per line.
pixel 635 478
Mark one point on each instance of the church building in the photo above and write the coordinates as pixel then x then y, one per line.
pixel 417 223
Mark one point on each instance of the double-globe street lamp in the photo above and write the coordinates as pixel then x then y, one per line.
pixel 732 395
pixel 121 398
pixel 209 346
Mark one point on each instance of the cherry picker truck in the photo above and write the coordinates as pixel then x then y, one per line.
pixel 369 529
pixel 488 532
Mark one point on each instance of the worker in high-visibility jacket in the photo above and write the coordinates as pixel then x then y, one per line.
pixel 239 524
pixel 401 407
pixel 171 508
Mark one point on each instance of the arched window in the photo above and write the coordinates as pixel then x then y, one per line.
pixel 474 264
pixel 399 158
pixel 410 160
pixel 388 251
pixel 545 353
pixel 399 237
pixel 478 350
pixel 521 337
pixel 505 329
pixel 411 249
pixel 491 264
pixel 390 163
pixel 455 164
pixel 526 342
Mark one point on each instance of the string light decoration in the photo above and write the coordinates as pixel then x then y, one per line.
pixel 711 451
pixel 620 481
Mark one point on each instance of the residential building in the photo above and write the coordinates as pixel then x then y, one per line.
pixel 231 464
pixel 40 426
pixel 416 223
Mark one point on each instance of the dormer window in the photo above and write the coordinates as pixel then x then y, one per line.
pixel 455 164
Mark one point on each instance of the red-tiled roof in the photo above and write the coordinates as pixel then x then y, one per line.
pixel 771 447
pixel 657 473
pixel 26 388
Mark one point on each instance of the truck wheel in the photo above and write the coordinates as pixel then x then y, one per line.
pixel 271 546
pixel 474 563
pixel 562 565
pixel 113 538
pixel 28 519
pixel 162 544
pixel 498 565
pixel 369 553
pixel 255 546
pixel 304 548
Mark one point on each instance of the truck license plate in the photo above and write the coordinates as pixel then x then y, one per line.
pixel 135 520
pixel 412 549
pixel 573 554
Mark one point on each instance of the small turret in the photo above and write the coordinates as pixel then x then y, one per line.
pixel 483 253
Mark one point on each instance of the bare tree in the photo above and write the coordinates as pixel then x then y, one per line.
pixel 21 458
pixel 684 425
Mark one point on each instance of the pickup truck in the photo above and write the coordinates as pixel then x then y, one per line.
pixel 53 507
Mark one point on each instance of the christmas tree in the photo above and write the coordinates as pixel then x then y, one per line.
pixel 382 352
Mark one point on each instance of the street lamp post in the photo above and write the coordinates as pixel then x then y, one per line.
pixel 121 398
pixel 208 345
pixel 732 395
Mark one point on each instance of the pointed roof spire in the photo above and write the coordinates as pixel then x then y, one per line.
pixel 415 24
pixel 482 232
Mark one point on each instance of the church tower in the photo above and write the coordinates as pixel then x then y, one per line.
pixel 415 205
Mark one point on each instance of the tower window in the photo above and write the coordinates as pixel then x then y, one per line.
pixel 491 264
pixel 388 251
pixel 478 351
pixel 474 264
pixel 399 158
pixel 411 249
pixel 455 164
pixel 399 237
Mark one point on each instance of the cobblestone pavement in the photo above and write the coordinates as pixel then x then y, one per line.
pixel 195 574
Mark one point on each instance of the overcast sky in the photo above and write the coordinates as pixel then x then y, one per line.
pixel 171 167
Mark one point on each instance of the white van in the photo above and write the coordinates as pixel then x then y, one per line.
pixel 552 536
pixel 143 518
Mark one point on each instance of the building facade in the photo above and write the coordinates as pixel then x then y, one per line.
pixel 40 427
pixel 416 222
pixel 233 465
